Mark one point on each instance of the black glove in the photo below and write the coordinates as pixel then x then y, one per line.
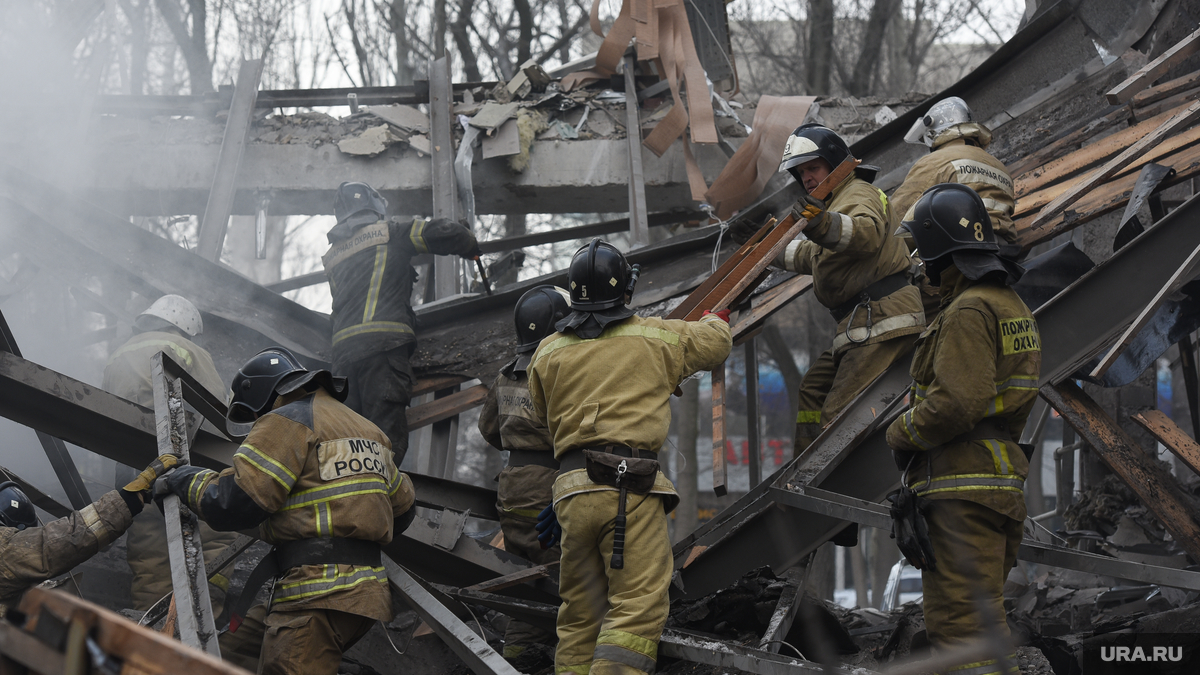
pixel 909 528
pixel 176 482
pixel 547 525
pixel 742 229
pixel 474 251
pixel 811 209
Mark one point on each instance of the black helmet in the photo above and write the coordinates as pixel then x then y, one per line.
pixel 951 224
pixel 15 508
pixel 537 311
pixel 271 372
pixel 813 141
pixel 599 277
pixel 358 199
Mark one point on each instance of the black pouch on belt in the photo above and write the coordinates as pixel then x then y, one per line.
pixel 909 528
pixel 628 474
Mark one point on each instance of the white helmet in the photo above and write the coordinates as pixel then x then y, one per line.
pixel 943 115
pixel 177 311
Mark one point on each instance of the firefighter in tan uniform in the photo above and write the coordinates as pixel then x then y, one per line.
pixel 602 385
pixel 31 554
pixel 369 265
pixel 957 154
pixel 508 422
pixel 165 326
pixel 859 269
pixel 975 373
pixel 319 481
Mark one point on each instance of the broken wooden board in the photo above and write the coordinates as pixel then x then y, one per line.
pixel 446 407
pixel 720 478
pixel 1155 69
pixel 1117 164
pixel 1156 488
pixel 1165 430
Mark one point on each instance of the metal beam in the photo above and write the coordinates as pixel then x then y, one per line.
pixel 472 649
pixel 233 145
pixel 785 611
pixel 56 451
pixel 680 644
pixel 197 627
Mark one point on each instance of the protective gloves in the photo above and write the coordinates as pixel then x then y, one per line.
pixel 722 313
pixel 139 491
pixel 548 527
pixel 177 482
pixel 813 210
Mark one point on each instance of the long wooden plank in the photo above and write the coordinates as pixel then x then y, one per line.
pixel 1155 69
pixel 1110 169
pixel 1166 89
pixel 1169 434
pixel 445 408
pixel 500 583
pixel 1099 202
pixel 1157 489
pixel 1085 157
pixel 706 287
pixel 1180 277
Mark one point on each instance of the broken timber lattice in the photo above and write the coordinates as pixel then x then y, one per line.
pixel 196 625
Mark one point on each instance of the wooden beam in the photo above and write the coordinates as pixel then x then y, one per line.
pixel 302 281
pixel 233 146
pixel 720 472
pixel 639 227
pixel 1169 434
pixel 500 583
pixel 445 408
pixel 1175 123
pixel 1150 72
pixel 1166 90
pixel 770 302
pixel 584 231
pixel 425 385
pixel 1157 489
pixel 1181 276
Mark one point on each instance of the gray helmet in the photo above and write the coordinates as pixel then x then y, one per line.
pixel 15 508
pixel 174 310
pixel 950 224
pixel 944 114
pixel 359 201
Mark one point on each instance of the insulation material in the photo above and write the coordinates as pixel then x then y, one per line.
pixel 529 123
pixel 756 160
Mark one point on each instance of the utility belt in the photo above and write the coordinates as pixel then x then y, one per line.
pixel 536 457
pixel 627 469
pixel 876 291
pixel 285 556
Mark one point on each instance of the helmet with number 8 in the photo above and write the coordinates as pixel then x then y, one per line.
pixel 950 224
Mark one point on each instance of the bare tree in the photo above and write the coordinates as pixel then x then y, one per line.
pixel 192 40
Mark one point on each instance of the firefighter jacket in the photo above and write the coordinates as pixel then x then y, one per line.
pixel 127 373
pixel 312 468
pixel 958 156
pixel 508 420
pixel 980 358
pixel 615 389
pixel 33 555
pixel 854 248
pixel 371 278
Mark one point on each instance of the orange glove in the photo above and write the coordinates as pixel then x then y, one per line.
pixel 723 313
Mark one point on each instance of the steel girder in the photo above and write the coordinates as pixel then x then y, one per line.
pixel 852 458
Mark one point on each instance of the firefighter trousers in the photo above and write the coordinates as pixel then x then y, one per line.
pixel 310 642
pixel 610 620
pixel 146 553
pixel 381 387
pixel 522 493
pixel 975 548
pixel 836 379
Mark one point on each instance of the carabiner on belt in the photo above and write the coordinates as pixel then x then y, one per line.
pixel 850 324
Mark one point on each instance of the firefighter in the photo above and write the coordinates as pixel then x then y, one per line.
pixel 957 154
pixel 166 326
pixel 31 554
pixel 859 269
pixel 320 481
pixel 371 278
pixel 601 384
pixel 508 422
pixel 975 380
